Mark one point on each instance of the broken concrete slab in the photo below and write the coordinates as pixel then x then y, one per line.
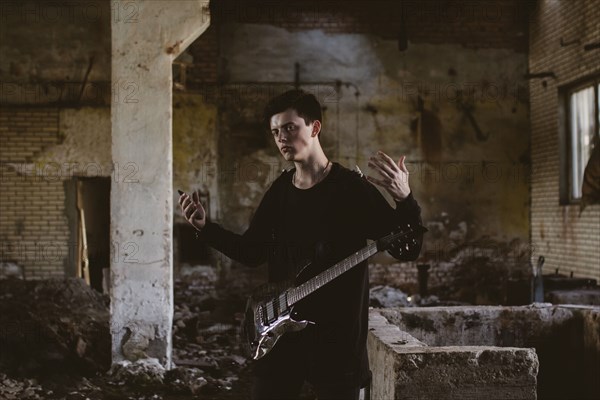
pixel 575 296
pixel 566 338
pixel 405 368
pixel 518 326
pixel 466 372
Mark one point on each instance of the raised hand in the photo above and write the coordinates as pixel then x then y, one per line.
pixel 394 176
pixel 192 209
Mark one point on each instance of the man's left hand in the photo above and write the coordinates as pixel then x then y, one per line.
pixel 394 177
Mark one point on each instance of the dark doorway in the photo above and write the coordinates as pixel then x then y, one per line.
pixel 93 203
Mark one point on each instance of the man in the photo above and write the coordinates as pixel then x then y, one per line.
pixel 590 187
pixel 318 212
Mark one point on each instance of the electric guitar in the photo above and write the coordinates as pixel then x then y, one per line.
pixel 270 310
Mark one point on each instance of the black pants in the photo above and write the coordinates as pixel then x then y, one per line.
pixel 297 358
pixel 280 388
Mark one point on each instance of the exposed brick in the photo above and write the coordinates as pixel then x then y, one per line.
pixel 568 242
pixel 27 220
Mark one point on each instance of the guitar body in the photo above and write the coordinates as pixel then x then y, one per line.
pixel 267 318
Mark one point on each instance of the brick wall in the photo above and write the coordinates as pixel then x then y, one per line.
pixel 472 23
pixel 205 51
pixel 33 226
pixel 567 240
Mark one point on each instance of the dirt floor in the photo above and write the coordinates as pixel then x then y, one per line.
pixel 55 340
pixel 55 344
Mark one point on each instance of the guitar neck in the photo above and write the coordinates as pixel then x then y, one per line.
pixel 298 293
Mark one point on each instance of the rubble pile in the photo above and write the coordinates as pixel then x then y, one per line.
pixel 473 272
pixel 53 325
pixel 10 270
pixel 186 380
pixel 56 344
pixel 12 389
pixel 56 336
pixel 206 333
pixel 144 372
pixel 482 269
pixel 383 296
pixel 387 297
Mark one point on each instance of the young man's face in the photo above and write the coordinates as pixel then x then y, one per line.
pixel 294 139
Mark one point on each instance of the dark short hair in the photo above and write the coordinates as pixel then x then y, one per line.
pixel 305 104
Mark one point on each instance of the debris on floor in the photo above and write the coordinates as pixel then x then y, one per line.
pixel 58 325
pixel 57 341
pixel 56 344
pixel 387 297
pixel 383 296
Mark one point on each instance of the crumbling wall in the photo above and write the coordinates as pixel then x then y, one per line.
pixel 445 101
pixel 57 52
pixel 43 150
pixel 195 147
pixel 483 272
pixel 472 184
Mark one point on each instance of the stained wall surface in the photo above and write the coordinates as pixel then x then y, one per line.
pixel 569 240
pixel 454 103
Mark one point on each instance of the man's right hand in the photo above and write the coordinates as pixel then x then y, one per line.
pixel 192 209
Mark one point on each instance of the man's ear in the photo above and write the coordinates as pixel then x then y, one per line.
pixel 316 127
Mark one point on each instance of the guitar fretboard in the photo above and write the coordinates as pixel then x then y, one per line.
pixel 298 293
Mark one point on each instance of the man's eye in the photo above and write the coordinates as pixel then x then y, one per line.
pixel 290 128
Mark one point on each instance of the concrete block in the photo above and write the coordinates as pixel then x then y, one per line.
pixel 578 296
pixel 473 372
pixel 406 368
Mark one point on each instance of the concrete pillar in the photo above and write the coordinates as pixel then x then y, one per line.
pixel 146 37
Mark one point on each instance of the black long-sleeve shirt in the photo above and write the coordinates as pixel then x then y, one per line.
pixel 322 225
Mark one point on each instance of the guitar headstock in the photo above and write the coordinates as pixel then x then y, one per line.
pixel 401 239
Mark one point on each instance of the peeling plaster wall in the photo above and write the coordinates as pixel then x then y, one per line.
pixel 46 49
pixel 86 145
pixel 46 151
pixel 195 165
pixel 194 148
pixel 83 149
pixel 468 188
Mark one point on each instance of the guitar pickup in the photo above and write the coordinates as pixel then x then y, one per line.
pixel 282 305
pixel 272 309
pixel 269 313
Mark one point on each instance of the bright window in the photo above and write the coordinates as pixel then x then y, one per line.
pixel 583 130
